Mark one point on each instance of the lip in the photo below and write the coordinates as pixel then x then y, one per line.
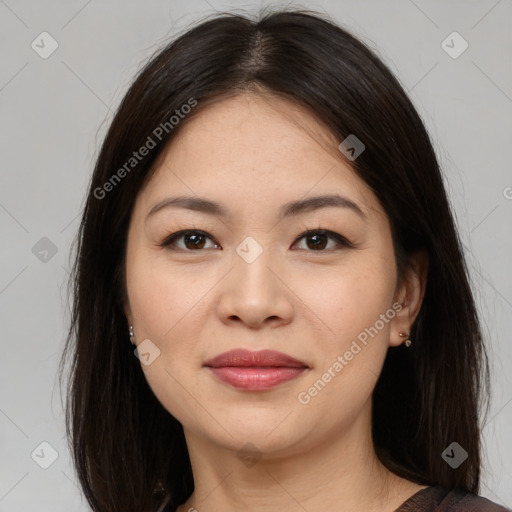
pixel 255 371
pixel 261 358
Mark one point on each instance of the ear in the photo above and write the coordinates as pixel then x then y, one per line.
pixel 128 311
pixel 125 303
pixel 409 294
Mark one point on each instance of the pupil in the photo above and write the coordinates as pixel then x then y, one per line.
pixel 195 239
pixel 318 243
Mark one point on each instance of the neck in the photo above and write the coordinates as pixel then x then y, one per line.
pixel 341 473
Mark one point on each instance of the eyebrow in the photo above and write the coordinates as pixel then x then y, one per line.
pixel 293 208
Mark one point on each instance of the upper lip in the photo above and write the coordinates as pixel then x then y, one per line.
pixel 261 358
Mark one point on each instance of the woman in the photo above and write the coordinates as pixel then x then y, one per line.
pixel 267 224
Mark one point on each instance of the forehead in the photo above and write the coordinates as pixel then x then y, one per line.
pixel 255 148
pixel 252 128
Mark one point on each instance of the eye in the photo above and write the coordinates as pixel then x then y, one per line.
pixel 317 239
pixel 193 240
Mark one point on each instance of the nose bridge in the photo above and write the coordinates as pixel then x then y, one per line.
pixel 254 291
pixel 252 268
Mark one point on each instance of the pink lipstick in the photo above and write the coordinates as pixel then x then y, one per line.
pixel 255 371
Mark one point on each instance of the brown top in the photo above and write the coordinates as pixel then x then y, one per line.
pixel 438 499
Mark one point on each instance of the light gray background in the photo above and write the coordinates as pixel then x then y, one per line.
pixel 55 111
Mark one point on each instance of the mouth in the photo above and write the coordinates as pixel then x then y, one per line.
pixel 255 371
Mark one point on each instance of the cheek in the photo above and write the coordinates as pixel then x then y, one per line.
pixel 350 298
pixel 166 302
pixel 162 296
pixel 353 344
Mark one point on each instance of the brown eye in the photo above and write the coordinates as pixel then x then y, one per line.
pixel 192 240
pixel 196 241
pixel 317 240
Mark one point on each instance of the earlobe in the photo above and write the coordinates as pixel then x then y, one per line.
pixel 405 335
pixel 128 312
pixel 129 319
pixel 410 296
pixel 131 334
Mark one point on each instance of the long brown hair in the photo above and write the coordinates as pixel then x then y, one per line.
pixel 124 443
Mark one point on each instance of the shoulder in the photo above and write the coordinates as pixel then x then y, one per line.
pixel 439 499
pixel 458 500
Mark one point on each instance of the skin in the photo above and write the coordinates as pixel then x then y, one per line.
pixel 252 154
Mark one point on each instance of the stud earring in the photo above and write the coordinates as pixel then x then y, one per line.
pixel 407 342
pixel 130 332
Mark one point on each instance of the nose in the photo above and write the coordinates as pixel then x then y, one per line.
pixel 256 293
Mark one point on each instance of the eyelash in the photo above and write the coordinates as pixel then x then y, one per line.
pixel 342 241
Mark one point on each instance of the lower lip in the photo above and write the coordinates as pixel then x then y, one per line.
pixel 255 379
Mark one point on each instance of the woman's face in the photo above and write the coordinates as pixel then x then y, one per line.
pixel 249 279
